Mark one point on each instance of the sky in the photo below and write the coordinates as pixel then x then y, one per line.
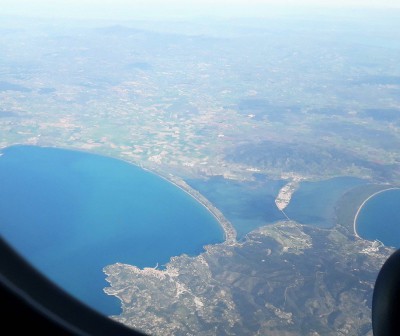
pixel 131 9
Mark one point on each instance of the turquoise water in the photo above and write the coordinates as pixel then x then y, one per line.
pixel 72 213
pixel 314 202
pixel 379 218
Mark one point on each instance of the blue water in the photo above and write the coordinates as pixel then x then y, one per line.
pixel 246 204
pixel 314 202
pixel 379 218
pixel 251 204
pixel 72 213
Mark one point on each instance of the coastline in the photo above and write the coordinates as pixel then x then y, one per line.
pixel 228 229
pixel 362 205
pixel 230 234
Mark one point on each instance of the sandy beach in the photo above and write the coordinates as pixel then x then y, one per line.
pixel 363 203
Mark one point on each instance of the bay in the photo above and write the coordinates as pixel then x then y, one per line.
pixel 379 218
pixel 71 213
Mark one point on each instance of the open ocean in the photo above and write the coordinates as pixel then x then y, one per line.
pixel 71 213
pixel 379 218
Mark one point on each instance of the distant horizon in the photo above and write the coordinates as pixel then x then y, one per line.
pixel 179 9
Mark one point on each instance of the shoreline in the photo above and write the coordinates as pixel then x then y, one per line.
pixel 229 231
pixel 227 227
pixel 362 205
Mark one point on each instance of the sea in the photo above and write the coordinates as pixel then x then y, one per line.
pixel 71 213
pixel 379 218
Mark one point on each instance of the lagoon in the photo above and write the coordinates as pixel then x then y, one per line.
pixel 249 205
pixel 71 213
pixel 313 203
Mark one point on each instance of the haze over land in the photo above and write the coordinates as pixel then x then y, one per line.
pixel 243 110
pixel 182 9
